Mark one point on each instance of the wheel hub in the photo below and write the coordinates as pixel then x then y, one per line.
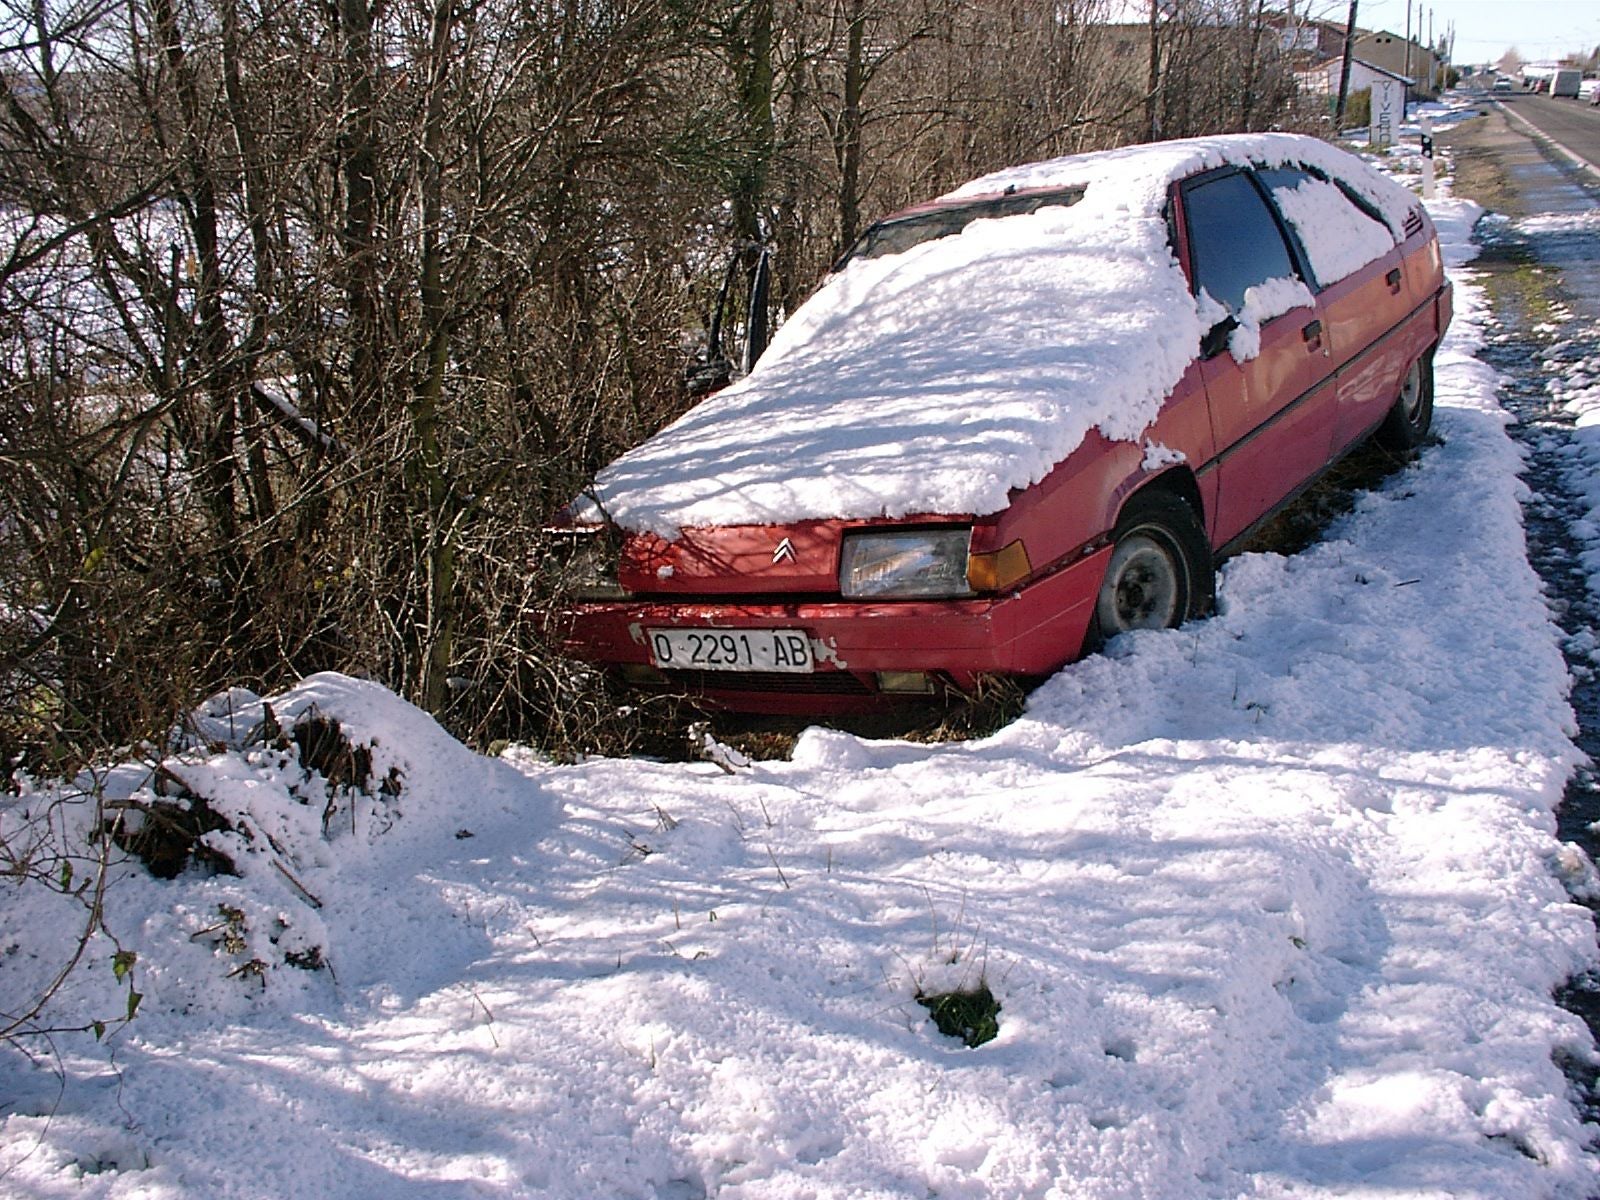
pixel 1147 588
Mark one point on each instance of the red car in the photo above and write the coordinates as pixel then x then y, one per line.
pixel 1016 422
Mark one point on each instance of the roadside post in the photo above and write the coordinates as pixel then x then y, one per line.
pixel 1426 124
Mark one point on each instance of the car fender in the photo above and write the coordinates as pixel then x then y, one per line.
pixel 1074 509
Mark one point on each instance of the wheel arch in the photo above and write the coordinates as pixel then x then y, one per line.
pixel 1402 431
pixel 1178 480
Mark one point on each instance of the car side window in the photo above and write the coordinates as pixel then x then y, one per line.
pixel 1336 231
pixel 1279 180
pixel 1235 241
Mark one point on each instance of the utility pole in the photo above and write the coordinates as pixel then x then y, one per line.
pixel 1432 55
pixel 1344 71
pixel 1405 104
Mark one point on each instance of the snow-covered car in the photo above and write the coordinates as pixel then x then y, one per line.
pixel 1015 422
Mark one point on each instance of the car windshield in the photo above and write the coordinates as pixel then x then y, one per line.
pixel 899 234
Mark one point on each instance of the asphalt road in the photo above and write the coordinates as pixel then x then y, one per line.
pixel 1574 125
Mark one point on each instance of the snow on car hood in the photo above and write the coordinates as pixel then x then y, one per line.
pixel 939 379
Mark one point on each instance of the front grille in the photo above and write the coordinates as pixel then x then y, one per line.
pixel 818 683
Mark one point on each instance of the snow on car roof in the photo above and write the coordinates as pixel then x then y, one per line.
pixel 940 379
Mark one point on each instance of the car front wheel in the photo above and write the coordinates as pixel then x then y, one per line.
pixel 1408 422
pixel 1160 573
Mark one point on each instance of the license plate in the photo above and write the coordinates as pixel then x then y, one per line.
pixel 730 649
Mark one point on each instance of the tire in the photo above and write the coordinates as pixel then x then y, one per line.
pixel 1406 427
pixel 1160 573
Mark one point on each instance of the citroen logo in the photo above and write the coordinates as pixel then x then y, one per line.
pixel 785 550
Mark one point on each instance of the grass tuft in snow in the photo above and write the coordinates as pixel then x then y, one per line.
pixel 971 1015
pixel 997 701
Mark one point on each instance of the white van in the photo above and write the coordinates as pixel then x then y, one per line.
pixel 1566 82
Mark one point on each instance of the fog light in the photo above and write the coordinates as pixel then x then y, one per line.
pixel 642 675
pixel 906 683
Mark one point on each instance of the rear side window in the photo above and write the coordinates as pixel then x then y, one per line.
pixel 1235 241
pixel 1338 232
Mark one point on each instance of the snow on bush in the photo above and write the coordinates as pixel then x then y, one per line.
pixel 231 846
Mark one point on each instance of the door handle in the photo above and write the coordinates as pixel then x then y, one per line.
pixel 1311 332
pixel 1393 279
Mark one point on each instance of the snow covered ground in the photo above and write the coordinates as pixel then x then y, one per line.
pixel 1273 906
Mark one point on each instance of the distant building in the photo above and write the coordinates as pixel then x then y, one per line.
pixel 1304 39
pixel 1322 78
pixel 1390 52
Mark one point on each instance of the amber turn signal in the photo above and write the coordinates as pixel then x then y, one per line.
pixel 998 569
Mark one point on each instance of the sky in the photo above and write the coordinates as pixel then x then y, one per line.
pixel 1485 29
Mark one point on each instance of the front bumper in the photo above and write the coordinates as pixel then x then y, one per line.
pixel 1028 632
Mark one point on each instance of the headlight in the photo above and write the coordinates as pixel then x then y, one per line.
pixel 905 562
pixel 585 565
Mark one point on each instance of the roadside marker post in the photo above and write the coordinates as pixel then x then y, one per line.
pixel 1426 124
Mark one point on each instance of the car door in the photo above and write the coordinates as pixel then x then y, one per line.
pixel 1268 382
pixel 1359 277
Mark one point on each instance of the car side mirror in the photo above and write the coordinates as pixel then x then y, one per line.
pixel 1216 339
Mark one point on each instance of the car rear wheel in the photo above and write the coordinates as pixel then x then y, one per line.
pixel 1408 422
pixel 1160 574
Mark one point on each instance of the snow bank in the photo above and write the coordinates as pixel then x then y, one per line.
pixel 288 819
pixel 938 380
